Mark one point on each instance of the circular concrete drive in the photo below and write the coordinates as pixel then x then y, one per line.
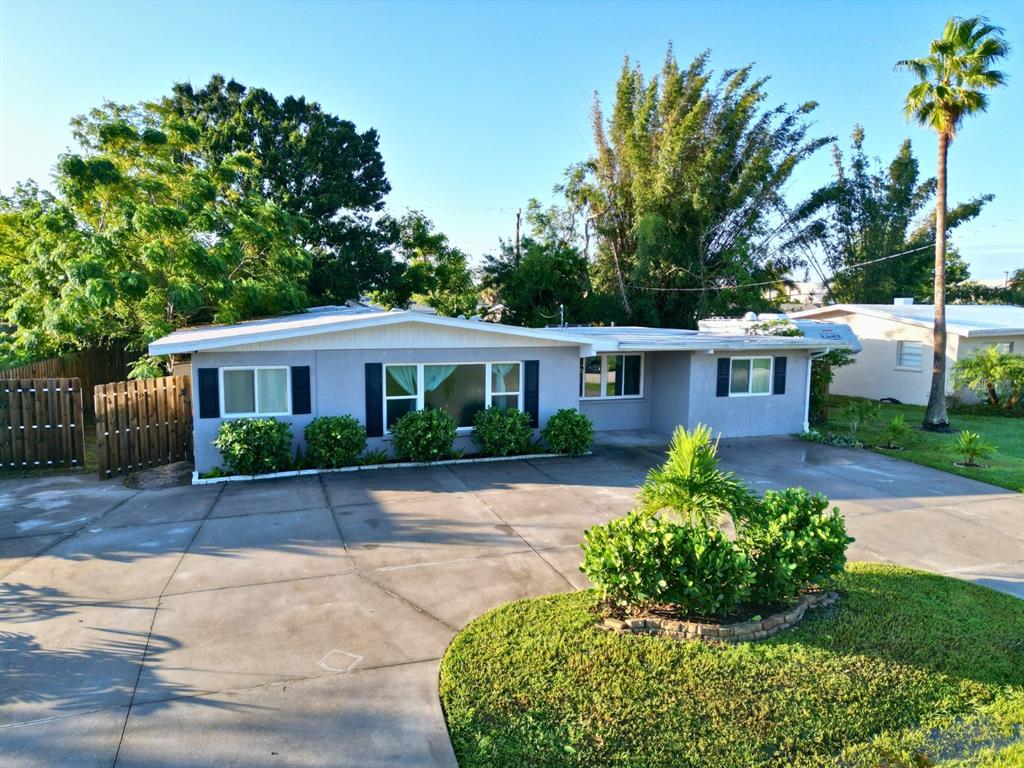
pixel 301 622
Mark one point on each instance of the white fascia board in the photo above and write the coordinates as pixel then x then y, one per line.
pixel 171 345
pixel 747 343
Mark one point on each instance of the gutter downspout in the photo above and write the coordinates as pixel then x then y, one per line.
pixel 807 392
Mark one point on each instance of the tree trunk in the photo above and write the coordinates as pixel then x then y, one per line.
pixel 935 418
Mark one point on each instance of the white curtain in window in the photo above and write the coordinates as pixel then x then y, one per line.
pixel 404 376
pixel 498 373
pixel 273 390
pixel 434 376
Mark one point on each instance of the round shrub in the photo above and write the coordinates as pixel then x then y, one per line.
pixel 794 542
pixel 569 431
pixel 334 441
pixel 423 435
pixel 642 559
pixel 502 431
pixel 254 446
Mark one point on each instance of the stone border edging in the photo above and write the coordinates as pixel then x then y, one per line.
pixel 196 480
pixel 740 632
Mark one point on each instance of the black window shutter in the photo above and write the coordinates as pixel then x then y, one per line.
pixel 531 393
pixel 301 398
pixel 374 400
pixel 779 384
pixel 209 394
pixel 723 377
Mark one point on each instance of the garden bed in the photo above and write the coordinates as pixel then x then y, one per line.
pixel 908 669
pixel 197 480
pixel 750 630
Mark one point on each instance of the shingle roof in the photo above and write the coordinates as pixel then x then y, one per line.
pixel 961 319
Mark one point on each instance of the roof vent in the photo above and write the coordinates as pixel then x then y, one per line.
pixel 903 302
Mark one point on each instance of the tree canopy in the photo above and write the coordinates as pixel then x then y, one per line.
pixel 685 192
pixel 143 235
pixel 311 164
pixel 869 212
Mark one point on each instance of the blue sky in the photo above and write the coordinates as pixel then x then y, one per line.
pixel 481 106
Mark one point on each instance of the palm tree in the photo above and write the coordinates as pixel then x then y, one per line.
pixel 953 80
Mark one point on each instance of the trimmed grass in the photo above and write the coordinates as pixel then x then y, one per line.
pixel 931 449
pixel 908 669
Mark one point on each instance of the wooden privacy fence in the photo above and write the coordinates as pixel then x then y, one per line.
pixel 141 424
pixel 92 366
pixel 41 423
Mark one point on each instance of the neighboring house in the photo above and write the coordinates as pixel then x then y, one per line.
pixel 896 360
pixel 378 365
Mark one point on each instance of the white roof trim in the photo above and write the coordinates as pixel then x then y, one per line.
pixel 205 338
pixel 878 312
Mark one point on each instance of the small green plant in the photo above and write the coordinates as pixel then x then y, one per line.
pixel 569 431
pixel 690 484
pixel 794 541
pixel 334 441
pixel 424 435
pixel 896 433
pixel 377 456
pixel 255 446
pixel 970 447
pixel 502 431
pixel 641 560
pixel 857 413
pixel 147 367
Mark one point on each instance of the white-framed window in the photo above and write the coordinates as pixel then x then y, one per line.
pixel 750 376
pixel 612 377
pixel 1004 347
pixel 255 391
pixel 459 389
pixel 909 355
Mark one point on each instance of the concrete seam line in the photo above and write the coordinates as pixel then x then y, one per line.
pixel 512 528
pixel 405 601
pixel 65 534
pixel 337 525
pixel 152 623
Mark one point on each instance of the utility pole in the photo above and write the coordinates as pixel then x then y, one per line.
pixel 519 212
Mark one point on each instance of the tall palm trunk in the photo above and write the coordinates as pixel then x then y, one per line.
pixel 935 417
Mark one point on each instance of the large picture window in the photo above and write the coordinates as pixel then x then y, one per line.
pixel 750 376
pixel 261 391
pixel 611 376
pixel 458 389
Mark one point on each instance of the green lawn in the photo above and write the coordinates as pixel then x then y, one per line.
pixel 1005 468
pixel 908 669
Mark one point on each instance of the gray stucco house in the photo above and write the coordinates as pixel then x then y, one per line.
pixel 376 365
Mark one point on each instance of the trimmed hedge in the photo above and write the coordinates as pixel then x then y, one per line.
pixel 502 431
pixel 334 441
pixel 255 446
pixel 569 431
pixel 423 435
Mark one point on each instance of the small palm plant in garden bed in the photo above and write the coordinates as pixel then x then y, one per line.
pixel 970 447
pixel 896 433
pixel 671 556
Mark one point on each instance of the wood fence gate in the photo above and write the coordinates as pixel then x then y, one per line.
pixel 41 423
pixel 142 424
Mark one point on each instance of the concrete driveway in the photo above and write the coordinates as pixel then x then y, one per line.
pixel 301 622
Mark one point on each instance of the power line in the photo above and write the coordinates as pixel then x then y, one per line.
pixel 773 282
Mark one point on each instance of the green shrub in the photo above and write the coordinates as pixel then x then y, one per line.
pixel 423 435
pixel 334 441
pixel 569 431
pixel 970 446
pixel 896 432
pixel 690 484
pixel 502 431
pixel 377 456
pixel 643 559
pixel 794 542
pixel 255 446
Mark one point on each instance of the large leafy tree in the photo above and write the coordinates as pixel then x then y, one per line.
pixel 684 195
pixel 868 213
pixel 310 163
pixel 433 271
pixel 952 83
pixel 143 235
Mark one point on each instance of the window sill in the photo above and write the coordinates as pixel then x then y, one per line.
pixel 904 369
pixel 613 399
